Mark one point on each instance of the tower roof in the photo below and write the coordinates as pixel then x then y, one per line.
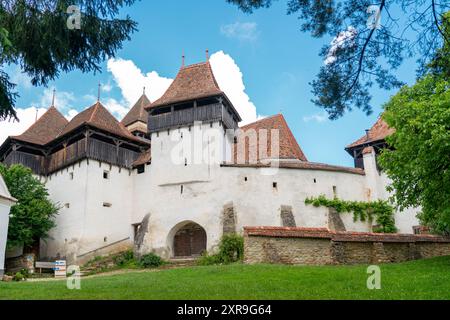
pixel 45 129
pixel 137 112
pixel 379 131
pixel 289 148
pixel 99 117
pixel 192 82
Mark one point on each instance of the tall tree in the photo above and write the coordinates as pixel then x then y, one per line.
pixel 32 216
pixel 419 161
pixel 369 44
pixel 45 37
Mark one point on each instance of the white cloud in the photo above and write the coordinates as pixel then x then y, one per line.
pixel 131 81
pixel 244 31
pixel 116 108
pixel 317 117
pixel 106 87
pixel 20 78
pixel 342 40
pixel 14 128
pixel 230 80
pixel 63 99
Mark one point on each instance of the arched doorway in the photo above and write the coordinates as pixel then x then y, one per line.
pixel 189 241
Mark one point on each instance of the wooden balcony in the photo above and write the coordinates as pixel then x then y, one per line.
pixel 92 149
pixel 178 118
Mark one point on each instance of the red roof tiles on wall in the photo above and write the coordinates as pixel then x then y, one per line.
pixel 192 82
pixel 137 112
pixel 379 131
pixel 99 117
pixel 289 148
pixel 45 129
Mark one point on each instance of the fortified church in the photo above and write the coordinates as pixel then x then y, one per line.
pixel 176 174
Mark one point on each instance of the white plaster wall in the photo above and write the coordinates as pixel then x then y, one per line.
pixel 208 187
pixel 377 182
pixel 6 201
pixel 84 226
pixel 4 219
pixel 174 194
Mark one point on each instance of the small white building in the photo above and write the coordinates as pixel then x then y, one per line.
pixel 178 173
pixel 6 202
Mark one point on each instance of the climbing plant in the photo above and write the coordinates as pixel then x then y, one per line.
pixel 380 210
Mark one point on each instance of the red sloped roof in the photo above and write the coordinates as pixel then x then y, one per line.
pixel 137 112
pixel 289 148
pixel 45 129
pixel 192 82
pixel 99 117
pixel 379 131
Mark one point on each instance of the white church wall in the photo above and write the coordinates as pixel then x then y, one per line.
pixel 377 181
pixel 176 193
pixel 4 219
pixel 6 202
pixel 84 224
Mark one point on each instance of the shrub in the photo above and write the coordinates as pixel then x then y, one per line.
pixel 19 277
pixel 124 258
pixel 150 260
pixel 231 249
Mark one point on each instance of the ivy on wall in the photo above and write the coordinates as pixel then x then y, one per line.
pixel 380 210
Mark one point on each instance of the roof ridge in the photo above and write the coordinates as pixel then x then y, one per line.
pixel 292 138
pixel 94 112
pixel 39 119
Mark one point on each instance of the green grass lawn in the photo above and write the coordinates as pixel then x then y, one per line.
pixel 424 279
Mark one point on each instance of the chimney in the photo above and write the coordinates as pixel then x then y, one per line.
pixel 367 135
pixel 207 55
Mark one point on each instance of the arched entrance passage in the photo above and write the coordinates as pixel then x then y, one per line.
pixel 189 240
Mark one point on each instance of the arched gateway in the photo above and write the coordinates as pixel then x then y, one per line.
pixel 189 240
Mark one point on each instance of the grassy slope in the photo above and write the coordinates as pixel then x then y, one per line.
pixel 425 279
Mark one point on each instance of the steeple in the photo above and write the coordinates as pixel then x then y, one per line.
pixel 136 119
pixel 194 87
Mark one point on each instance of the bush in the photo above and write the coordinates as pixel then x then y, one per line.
pixel 124 258
pixel 19 277
pixel 150 260
pixel 231 249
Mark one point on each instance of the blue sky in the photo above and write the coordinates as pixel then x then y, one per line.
pixel 276 59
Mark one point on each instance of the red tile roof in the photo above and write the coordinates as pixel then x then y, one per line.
pixel 300 166
pixel 346 236
pixel 99 117
pixel 137 112
pixel 379 131
pixel 289 148
pixel 144 158
pixel 192 82
pixel 45 129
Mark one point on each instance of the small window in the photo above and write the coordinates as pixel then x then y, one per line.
pixel 105 239
pixel 106 175
pixel 185 162
pixel 67 205
pixel 71 176
pixel 141 169
pixel 315 180
pixel 275 185
pixel 335 191
pixel 245 179
pixel 107 205
pixel 182 189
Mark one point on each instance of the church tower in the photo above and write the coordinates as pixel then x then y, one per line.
pixel 188 126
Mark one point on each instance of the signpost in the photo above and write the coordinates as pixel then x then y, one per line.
pixel 60 269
